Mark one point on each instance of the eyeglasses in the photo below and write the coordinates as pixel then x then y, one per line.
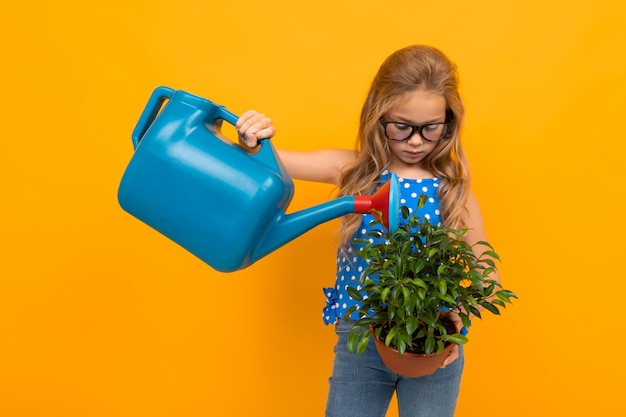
pixel 432 132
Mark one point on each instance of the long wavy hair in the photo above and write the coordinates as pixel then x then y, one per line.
pixel 416 67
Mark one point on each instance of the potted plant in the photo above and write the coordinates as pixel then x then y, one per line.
pixel 416 277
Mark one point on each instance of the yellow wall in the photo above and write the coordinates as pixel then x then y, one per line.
pixel 101 316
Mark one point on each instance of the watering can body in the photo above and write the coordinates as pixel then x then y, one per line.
pixel 209 195
pixel 215 198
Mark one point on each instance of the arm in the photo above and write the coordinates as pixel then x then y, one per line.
pixel 319 166
pixel 476 229
pixel 476 233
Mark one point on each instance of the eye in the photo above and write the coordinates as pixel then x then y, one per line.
pixel 433 127
pixel 400 126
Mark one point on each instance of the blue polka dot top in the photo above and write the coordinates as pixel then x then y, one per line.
pixel 350 265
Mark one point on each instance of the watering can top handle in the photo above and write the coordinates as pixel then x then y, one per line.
pixel 225 114
pixel 150 112
pixel 265 155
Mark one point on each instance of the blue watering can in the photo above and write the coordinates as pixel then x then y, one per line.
pixel 215 198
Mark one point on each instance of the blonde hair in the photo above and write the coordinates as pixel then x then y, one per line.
pixel 416 67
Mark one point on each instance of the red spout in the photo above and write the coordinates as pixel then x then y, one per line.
pixel 383 204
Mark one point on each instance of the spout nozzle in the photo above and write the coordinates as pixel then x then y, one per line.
pixel 384 204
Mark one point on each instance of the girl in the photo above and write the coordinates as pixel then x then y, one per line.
pixel 410 125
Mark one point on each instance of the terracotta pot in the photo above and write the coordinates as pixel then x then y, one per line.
pixel 408 364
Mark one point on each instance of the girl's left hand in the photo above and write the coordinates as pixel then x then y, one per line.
pixel 454 352
pixel 253 126
pixel 452 356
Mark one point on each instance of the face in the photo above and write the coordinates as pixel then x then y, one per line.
pixel 415 108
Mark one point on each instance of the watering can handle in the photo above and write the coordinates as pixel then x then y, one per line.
pixel 266 153
pixel 159 95
pixel 224 114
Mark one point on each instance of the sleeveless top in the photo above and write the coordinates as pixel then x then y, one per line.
pixel 350 265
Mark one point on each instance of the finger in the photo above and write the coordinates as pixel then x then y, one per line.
pixel 246 128
pixel 265 133
pixel 452 356
pixel 251 124
pixel 254 119
pixel 253 140
pixel 244 118
pixel 258 128
pixel 249 139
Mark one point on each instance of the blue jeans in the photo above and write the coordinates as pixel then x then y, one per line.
pixel 362 386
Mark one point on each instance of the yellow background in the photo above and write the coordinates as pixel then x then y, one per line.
pixel 102 316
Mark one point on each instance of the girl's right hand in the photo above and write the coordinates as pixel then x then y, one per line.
pixel 253 126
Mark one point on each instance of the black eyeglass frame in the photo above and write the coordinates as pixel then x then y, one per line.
pixel 448 124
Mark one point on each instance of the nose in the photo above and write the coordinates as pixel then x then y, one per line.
pixel 415 138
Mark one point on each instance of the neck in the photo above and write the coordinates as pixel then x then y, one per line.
pixel 415 171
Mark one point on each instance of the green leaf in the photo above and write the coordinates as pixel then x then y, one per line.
pixel 489 271
pixel 488 261
pixel 475 311
pixel 352 292
pixel 384 293
pixel 490 307
pixel 349 312
pixel 419 265
pixel 411 325
pixel 377 331
pixel 466 320
pixel 362 345
pixel 492 254
pixel 391 335
pixel 440 347
pixel 510 293
pixel 406 294
pixel 420 283
pixel 429 345
pixel 395 292
pixel 401 347
pixel 499 303
pixel 447 299
pixel 505 295
pixel 353 339
pixel 459 339
pixel 443 287
pixel 484 243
